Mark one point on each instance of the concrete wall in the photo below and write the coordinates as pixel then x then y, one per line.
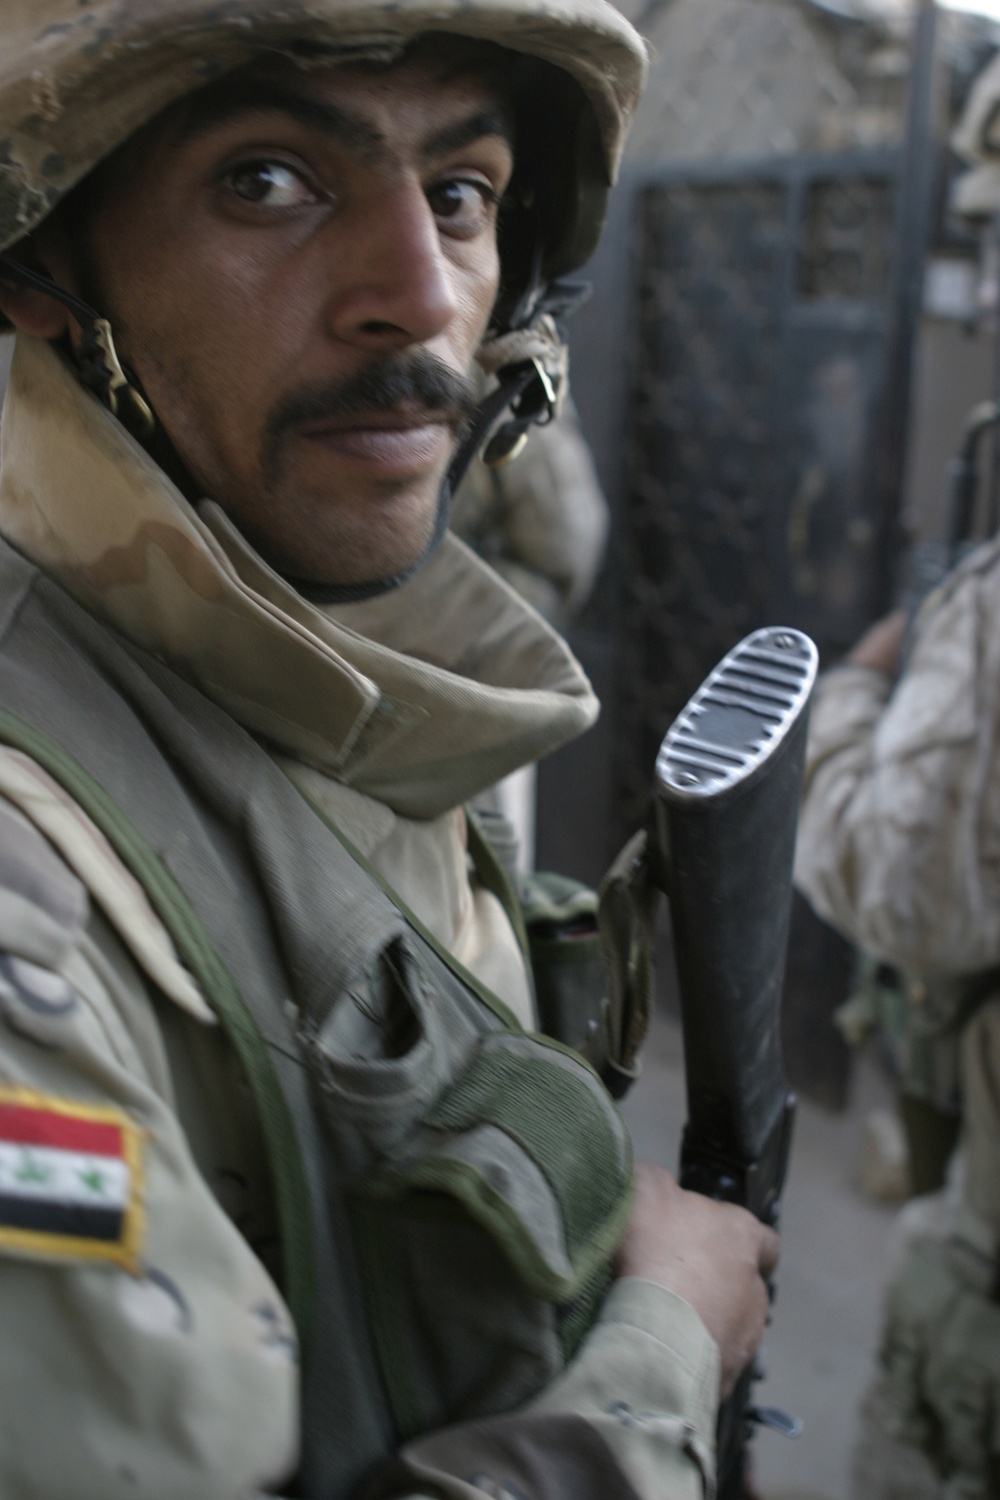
pixel 954 373
pixel 752 78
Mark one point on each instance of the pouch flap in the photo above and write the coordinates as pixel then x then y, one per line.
pixel 506 1141
pixel 556 901
pixel 627 912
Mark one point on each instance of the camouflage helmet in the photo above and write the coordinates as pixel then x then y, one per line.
pixel 78 77
pixel 976 194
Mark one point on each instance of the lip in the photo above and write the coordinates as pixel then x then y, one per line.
pixel 399 441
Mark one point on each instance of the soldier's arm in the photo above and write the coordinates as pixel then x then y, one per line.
pixel 132 1307
pixel 633 1417
pixel 898 840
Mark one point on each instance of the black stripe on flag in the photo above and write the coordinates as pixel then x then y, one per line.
pixel 74 1220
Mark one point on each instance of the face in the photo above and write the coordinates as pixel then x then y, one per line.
pixel 299 270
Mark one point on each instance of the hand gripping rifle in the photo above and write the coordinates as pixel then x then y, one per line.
pixel 728 778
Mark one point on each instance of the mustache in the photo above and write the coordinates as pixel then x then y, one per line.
pixel 416 379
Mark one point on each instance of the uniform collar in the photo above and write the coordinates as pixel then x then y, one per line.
pixel 420 698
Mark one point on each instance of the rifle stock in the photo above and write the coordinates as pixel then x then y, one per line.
pixel 728 778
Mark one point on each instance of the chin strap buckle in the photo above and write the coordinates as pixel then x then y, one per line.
pixel 100 368
pixel 103 374
pixel 531 367
pixel 537 405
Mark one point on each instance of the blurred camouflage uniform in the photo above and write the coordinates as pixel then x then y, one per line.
pixel 541 520
pixel 900 850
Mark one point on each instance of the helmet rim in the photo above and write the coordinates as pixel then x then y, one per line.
pixel 73 91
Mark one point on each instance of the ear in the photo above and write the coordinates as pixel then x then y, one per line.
pixel 33 312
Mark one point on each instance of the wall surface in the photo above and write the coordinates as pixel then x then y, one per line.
pixel 752 78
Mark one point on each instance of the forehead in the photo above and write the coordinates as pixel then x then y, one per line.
pixel 365 105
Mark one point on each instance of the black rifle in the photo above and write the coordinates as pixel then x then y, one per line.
pixel 728 779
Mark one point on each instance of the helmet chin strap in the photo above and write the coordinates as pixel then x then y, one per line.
pixel 527 360
pixel 101 371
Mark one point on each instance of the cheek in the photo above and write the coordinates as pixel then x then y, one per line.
pixel 210 327
pixel 187 283
pixel 256 315
pixel 200 333
pixel 478 286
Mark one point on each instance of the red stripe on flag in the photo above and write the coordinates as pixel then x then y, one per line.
pixel 27 1126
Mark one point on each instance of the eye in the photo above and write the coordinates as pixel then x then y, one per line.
pixel 269 183
pixel 466 203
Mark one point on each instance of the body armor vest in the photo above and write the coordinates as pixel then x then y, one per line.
pixel 449 1188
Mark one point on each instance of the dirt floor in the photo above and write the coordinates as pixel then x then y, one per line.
pixel 838 1246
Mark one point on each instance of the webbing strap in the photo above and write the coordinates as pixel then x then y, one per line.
pixel 492 1002
pixel 494 878
pixel 217 984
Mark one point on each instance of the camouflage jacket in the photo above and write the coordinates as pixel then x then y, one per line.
pixel 899 839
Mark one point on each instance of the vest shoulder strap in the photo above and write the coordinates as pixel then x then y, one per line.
pixel 217 984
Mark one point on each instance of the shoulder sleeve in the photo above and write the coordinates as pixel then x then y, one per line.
pixel 131 1307
pixel 632 1418
pixel 43 907
pixel 899 842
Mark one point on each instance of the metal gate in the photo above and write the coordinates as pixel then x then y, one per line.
pixel 741 339
pixel 751 492
pixel 762 355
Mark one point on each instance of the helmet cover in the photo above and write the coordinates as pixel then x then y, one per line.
pixel 79 77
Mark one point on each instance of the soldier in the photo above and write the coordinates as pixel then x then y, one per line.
pixel 899 848
pixel 293 1199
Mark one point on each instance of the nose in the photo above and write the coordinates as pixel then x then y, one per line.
pixel 395 286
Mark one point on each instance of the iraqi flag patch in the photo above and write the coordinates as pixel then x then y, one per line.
pixel 70 1179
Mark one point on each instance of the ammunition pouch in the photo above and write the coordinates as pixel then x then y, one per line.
pixel 567 963
pixel 627 910
pixel 592 960
pixel 484 1232
pixel 591 954
pixel 920 1020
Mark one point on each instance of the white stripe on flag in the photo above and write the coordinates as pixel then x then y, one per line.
pixel 49 1173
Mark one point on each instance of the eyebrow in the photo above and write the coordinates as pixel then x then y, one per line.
pixel 248 98
pixel 251 97
pixel 485 122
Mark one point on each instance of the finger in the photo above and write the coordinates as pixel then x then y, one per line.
pixel 763 1313
pixel 649 1175
pixel 769 1252
pixel 740 1355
